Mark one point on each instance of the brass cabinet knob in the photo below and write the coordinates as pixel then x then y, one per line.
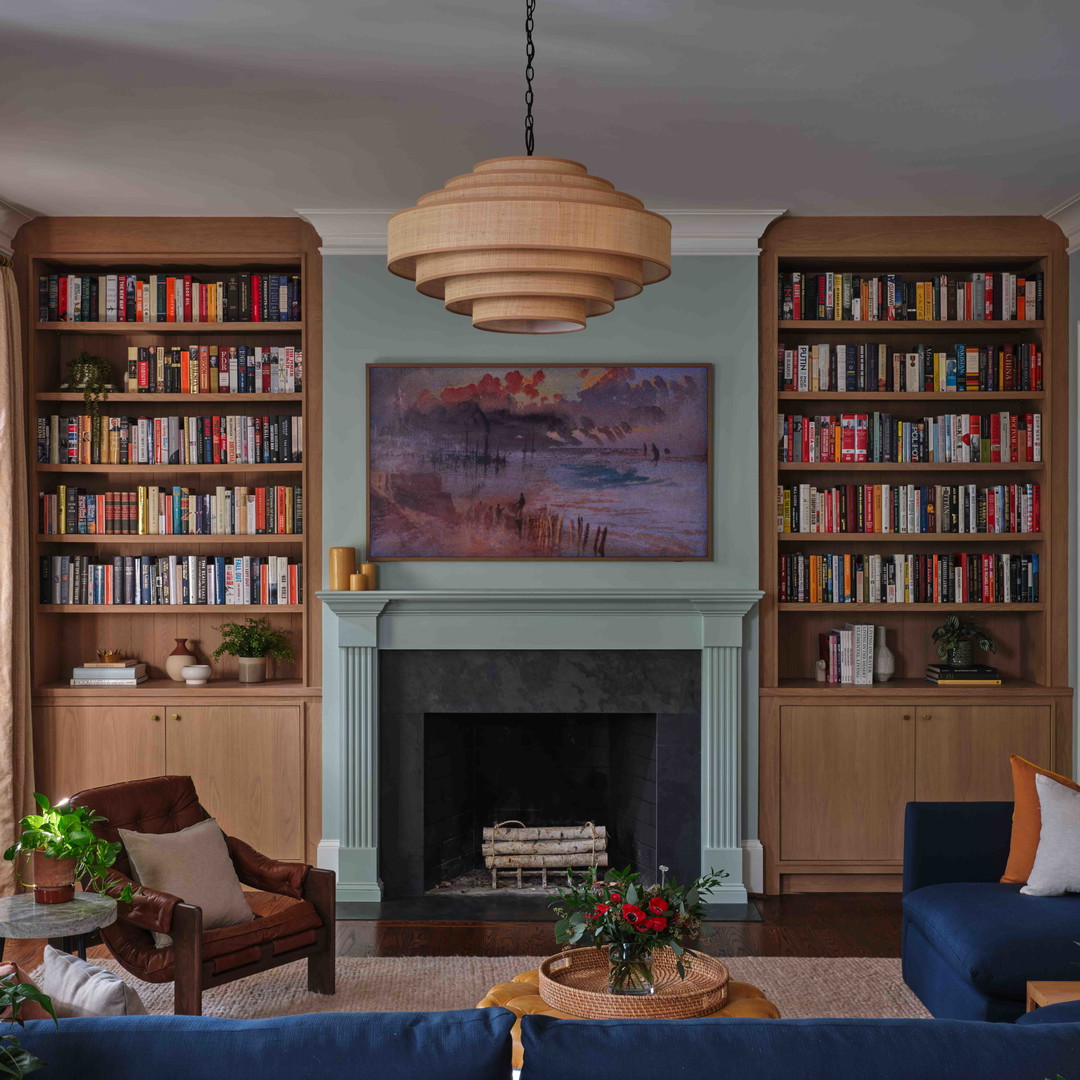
pixel 156 718
pixel 175 716
pixel 907 716
pixel 926 716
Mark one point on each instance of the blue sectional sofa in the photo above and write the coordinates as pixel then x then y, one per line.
pixel 971 943
pixel 475 1045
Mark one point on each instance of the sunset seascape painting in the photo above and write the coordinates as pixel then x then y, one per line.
pixel 553 461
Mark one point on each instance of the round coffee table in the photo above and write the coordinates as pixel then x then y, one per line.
pixel 522 996
pixel 65 925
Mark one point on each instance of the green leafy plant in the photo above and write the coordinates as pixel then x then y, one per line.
pixel 620 911
pixel 255 637
pixel 92 375
pixel 15 1060
pixel 955 631
pixel 63 832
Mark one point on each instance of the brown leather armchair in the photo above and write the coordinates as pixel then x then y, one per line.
pixel 294 909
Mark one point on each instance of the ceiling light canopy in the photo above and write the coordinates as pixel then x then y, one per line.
pixel 529 245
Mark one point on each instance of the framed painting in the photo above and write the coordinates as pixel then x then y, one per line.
pixel 559 461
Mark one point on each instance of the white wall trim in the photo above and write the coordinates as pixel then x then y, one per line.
pixel 754 866
pixel 1067 216
pixel 693 232
pixel 12 219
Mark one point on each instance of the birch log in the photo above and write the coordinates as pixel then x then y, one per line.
pixel 549 862
pixel 546 847
pixel 554 832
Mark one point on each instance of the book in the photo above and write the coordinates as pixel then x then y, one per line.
pixel 109 674
pixel 109 682
pixel 110 663
pixel 969 671
pixel 963 682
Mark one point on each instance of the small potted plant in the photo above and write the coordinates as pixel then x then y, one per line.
pixel 632 921
pixel 956 640
pixel 62 848
pixel 16 1061
pixel 90 374
pixel 252 642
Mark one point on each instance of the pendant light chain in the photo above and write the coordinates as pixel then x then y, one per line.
pixel 530 55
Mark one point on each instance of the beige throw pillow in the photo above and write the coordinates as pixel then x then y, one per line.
pixel 1056 870
pixel 193 864
pixel 81 989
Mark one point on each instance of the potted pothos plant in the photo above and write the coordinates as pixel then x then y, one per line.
pixel 956 640
pixel 92 375
pixel 632 921
pixel 252 642
pixel 62 848
pixel 15 1060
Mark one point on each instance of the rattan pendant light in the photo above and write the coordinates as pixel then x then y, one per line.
pixel 529 245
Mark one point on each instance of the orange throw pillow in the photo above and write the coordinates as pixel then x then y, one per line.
pixel 1027 818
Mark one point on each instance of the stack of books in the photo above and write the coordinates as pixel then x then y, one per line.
pixel 975 675
pixel 118 673
pixel 848 654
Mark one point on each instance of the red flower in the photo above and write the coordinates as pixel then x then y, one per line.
pixel 634 915
pixel 616 897
pixel 657 924
pixel 601 908
pixel 642 927
pixel 658 905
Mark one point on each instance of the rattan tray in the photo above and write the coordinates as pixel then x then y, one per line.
pixel 576 982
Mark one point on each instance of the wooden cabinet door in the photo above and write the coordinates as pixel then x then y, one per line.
pixel 962 751
pixel 80 747
pixel 248 766
pixel 846 773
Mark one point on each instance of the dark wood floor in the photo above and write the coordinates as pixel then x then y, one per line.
pixel 855 924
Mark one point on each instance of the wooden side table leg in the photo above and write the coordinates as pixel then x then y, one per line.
pixel 80 946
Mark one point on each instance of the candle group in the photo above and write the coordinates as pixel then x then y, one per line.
pixel 345 577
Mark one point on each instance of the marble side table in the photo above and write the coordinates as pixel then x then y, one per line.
pixel 65 925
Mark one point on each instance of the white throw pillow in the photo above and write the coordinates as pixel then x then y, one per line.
pixel 1057 860
pixel 193 864
pixel 81 989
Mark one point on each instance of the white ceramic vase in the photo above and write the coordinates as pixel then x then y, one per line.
pixel 884 661
pixel 180 658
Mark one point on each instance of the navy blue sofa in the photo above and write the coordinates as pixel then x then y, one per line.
pixel 971 943
pixel 475 1045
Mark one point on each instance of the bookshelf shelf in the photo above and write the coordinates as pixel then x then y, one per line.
pixel 816 739
pixel 175 399
pixel 826 326
pixel 172 470
pixel 165 609
pixel 908 538
pixel 909 467
pixel 217 690
pixel 949 398
pixel 137 328
pixel 973 606
pixel 171 539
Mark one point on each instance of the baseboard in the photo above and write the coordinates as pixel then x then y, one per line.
pixel 753 866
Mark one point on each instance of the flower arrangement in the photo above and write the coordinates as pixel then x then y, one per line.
pixel 632 920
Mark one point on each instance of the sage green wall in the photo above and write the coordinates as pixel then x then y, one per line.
pixel 1074 497
pixel 706 311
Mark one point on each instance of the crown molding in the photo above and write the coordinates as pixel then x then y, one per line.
pixel 12 219
pixel 1067 217
pixel 693 232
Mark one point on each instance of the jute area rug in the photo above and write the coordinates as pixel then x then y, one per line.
pixel 802 987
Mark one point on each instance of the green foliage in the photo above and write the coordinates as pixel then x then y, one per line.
pixel 93 374
pixel 15 1061
pixel 255 637
pixel 953 631
pixel 63 832
pixel 620 910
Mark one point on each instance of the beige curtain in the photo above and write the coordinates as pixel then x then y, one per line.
pixel 16 747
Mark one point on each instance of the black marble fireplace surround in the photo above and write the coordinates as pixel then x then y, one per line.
pixel 610 736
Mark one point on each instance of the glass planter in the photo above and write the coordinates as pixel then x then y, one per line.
pixel 630 969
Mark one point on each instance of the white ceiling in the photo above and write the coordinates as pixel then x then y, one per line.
pixel 247 107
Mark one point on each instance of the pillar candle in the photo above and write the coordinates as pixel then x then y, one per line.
pixel 342 564
pixel 370 571
pixel 358 582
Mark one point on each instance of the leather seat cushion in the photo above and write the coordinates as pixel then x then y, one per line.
pixel 286 922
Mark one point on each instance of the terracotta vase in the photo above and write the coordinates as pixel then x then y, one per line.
pixel 251 669
pixel 54 879
pixel 180 658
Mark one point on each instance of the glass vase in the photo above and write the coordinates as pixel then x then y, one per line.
pixel 630 969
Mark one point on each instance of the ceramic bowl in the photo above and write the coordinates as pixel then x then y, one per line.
pixel 196 674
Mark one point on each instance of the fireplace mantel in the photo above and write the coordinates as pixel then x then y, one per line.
pixel 359 624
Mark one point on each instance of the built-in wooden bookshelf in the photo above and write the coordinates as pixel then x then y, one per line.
pixel 65 635
pixel 882 754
